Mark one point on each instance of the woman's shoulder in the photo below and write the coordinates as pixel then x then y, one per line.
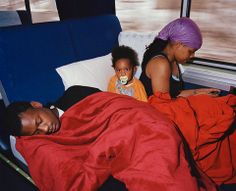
pixel 160 55
pixel 159 61
pixel 158 66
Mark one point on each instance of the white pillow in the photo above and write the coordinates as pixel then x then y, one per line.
pixel 138 41
pixel 94 72
pixel 15 152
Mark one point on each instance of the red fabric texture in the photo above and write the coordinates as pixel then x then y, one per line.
pixel 208 125
pixel 110 134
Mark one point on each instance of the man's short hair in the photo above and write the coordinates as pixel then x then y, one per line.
pixel 12 121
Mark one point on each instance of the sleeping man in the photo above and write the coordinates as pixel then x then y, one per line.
pixel 102 135
pixel 31 118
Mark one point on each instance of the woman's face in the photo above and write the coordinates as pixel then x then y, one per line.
pixel 183 53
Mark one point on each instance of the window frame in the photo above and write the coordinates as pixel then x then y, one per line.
pixel 185 12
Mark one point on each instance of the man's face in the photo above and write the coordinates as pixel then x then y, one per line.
pixel 39 121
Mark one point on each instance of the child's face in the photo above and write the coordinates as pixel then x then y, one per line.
pixel 124 68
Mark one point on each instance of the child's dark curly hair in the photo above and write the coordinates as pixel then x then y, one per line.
pixel 126 52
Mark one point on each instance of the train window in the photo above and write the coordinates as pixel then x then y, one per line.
pixel 41 10
pixel 215 62
pixel 146 15
pixel 216 20
pixel 11 5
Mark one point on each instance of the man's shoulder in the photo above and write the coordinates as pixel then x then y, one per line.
pixel 73 95
pixel 79 88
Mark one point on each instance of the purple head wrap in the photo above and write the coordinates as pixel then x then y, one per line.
pixel 182 30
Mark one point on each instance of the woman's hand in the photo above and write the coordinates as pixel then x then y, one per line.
pixel 208 91
pixel 186 93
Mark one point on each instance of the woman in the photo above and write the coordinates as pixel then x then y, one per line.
pixel 207 121
pixel 176 43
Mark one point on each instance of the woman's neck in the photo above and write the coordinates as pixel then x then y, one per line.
pixel 169 51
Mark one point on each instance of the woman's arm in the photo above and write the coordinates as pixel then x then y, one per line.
pixel 158 70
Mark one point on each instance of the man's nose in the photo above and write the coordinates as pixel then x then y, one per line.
pixel 44 128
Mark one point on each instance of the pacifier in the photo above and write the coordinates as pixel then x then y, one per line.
pixel 124 80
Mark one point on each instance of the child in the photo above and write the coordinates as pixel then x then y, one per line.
pixel 125 62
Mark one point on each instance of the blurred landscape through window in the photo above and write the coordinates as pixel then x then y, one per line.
pixel 215 19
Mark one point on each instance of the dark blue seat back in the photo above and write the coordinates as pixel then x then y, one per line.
pixel 92 38
pixel 29 54
pixel 28 57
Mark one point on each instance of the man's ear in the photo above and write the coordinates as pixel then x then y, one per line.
pixel 36 104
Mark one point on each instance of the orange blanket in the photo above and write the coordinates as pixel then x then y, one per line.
pixel 108 134
pixel 208 125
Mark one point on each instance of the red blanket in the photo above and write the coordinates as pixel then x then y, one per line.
pixel 110 134
pixel 206 123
